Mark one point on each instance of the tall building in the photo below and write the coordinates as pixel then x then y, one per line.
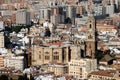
pixel 91 37
pixel 2 43
pixel 13 1
pixel 80 10
pixel 57 15
pixel 71 13
pixel 99 10
pixel 105 2
pixel 23 17
pixel 1 61
pixel 2 1
pixel 17 62
pixel 82 67
pixel 110 9
pixel 44 14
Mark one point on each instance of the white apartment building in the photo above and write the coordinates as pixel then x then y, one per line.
pixel 16 62
pixel 44 13
pixel 2 43
pixel 110 9
pixel 2 25
pixel 99 10
pixel 81 21
pixel 82 67
pixel 23 17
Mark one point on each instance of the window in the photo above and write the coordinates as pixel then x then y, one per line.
pixel 56 56
pixel 56 4
pixel 51 4
pixel 90 26
pixel 80 69
pixel 42 13
pixel 90 37
pixel 39 56
pixel 47 57
pixel 46 52
pixel 56 53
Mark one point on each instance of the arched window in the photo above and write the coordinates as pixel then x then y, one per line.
pixel 47 56
pixel 90 26
pixel 39 56
pixel 46 52
pixel 90 37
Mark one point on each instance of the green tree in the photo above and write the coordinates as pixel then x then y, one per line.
pixel 68 20
pixel 99 55
pixel 31 77
pixel 3 77
pixel 21 78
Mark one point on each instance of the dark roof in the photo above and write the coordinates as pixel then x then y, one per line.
pixel 106 58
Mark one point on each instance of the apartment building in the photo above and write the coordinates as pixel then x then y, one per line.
pixel 16 62
pixel 80 68
pixel 44 14
pixel 1 61
pixel 110 9
pixel 23 17
pixel 58 69
pixel 2 42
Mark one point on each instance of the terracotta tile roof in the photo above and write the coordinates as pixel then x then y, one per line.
pixel 107 73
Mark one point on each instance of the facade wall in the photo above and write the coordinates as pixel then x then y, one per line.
pixel 16 62
pixel 82 67
pixel 58 69
pixel 23 17
pixel 80 10
pixel 44 55
pixel 109 9
pixel 1 61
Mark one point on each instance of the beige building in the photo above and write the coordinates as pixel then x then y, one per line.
pixel 58 69
pixel 2 43
pixel 1 61
pixel 80 9
pixel 23 17
pixel 54 54
pixel 82 67
pixel 16 62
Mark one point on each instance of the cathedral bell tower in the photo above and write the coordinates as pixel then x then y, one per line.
pixel 91 43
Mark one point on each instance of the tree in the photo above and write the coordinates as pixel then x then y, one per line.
pixel 3 77
pixel 68 20
pixel 21 78
pixel 99 55
pixel 47 32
